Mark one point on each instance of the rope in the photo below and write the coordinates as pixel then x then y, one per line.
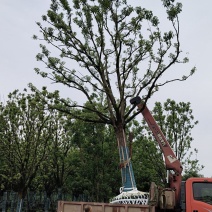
pixel 127 161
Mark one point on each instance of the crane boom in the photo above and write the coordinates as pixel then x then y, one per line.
pixel 171 161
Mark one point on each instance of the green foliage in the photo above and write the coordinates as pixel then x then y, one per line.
pixel 96 171
pixel 148 164
pixel 55 170
pixel 101 46
pixel 43 149
pixel 25 133
pixel 192 166
pixel 176 122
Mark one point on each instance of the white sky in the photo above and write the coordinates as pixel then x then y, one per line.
pixel 18 51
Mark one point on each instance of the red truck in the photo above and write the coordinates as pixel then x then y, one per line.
pixel 192 195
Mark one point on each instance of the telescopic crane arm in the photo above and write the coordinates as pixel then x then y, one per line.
pixel 171 162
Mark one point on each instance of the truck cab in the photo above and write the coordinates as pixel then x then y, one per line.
pixel 196 195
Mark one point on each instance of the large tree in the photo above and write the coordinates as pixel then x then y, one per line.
pixel 109 51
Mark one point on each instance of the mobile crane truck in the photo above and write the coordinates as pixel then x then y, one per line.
pixel 192 195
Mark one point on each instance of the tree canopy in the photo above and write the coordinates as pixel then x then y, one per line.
pixel 109 51
pixel 25 132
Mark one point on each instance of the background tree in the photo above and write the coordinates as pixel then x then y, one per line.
pixel 192 167
pixel 176 122
pixel 55 170
pixel 149 166
pixel 109 51
pixel 97 163
pixel 81 160
pixel 79 157
pixel 25 133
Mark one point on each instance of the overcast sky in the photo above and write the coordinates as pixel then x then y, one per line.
pixel 18 51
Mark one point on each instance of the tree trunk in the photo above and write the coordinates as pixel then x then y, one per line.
pixel 128 179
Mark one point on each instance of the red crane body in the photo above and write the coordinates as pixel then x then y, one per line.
pixel 171 162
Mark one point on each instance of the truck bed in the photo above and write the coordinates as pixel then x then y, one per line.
pixel 65 206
